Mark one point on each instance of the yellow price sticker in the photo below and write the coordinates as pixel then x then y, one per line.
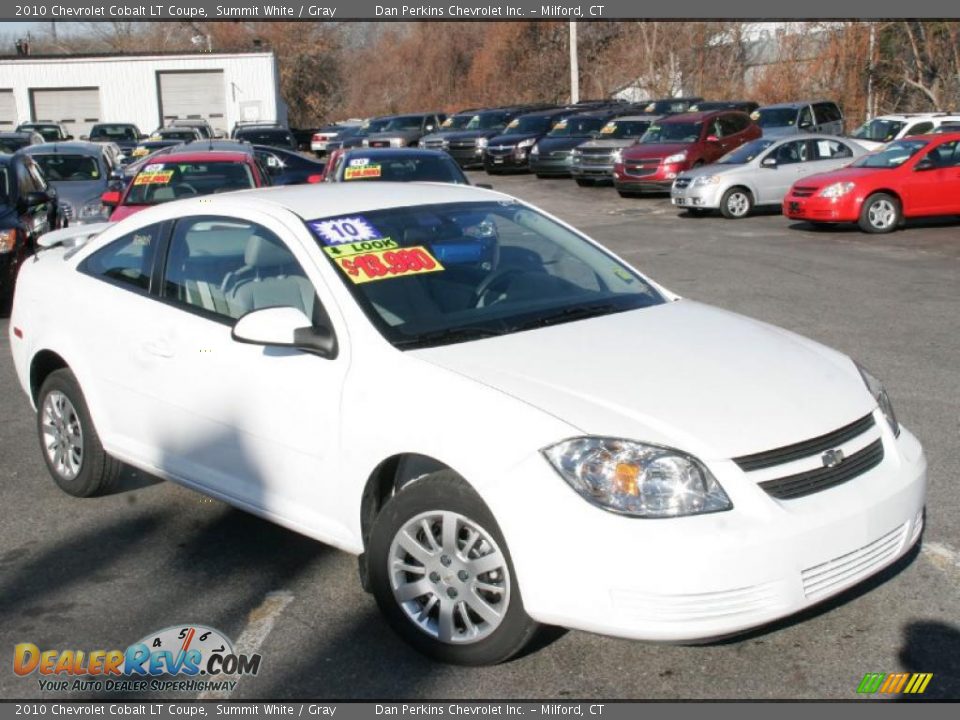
pixel 387 264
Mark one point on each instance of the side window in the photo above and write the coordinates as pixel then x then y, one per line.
pixel 791 152
pixel 829 149
pixel 128 260
pixel 25 181
pixel 946 155
pixel 729 125
pixel 921 128
pixel 227 268
pixel 806 117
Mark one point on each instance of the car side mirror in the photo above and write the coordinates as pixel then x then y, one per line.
pixel 110 198
pixel 285 327
pixel 768 162
pixel 925 164
pixel 36 198
pixel 712 139
pixel 804 124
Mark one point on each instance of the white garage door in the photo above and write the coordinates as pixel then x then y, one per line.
pixel 193 96
pixel 77 108
pixel 8 111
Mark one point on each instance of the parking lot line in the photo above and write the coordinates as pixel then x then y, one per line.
pixel 260 622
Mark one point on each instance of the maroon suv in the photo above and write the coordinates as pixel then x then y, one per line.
pixel 677 143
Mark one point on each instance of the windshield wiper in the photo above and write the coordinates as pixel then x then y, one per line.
pixel 446 336
pixel 570 314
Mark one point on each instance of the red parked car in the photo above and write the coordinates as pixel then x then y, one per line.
pixel 677 143
pixel 915 176
pixel 185 174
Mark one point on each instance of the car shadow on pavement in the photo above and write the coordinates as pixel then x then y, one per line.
pixel 930 646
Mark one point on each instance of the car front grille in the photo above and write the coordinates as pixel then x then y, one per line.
pixel 434 144
pixel 641 168
pixel 786 454
pixel 500 150
pixel 680 184
pixel 812 481
pixel 827 577
pixel 803 191
pixel 462 144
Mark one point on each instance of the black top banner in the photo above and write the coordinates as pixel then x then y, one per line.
pixel 332 10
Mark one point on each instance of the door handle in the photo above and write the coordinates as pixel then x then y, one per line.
pixel 160 348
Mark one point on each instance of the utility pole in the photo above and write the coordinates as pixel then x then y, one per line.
pixel 574 66
pixel 871 110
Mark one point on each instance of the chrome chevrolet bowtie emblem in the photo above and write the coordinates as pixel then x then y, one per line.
pixel 832 458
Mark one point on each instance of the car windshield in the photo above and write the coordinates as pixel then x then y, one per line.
pixel 529 124
pixel 50 133
pixel 576 127
pixel 436 274
pixel 745 153
pixel 113 132
pixel 401 168
pixel 487 121
pixel 619 129
pixel 893 155
pixel 879 130
pixel 678 132
pixel 66 168
pixel 178 134
pixel 404 122
pixel 260 136
pixel 160 182
pixel 457 122
pixel 11 145
pixel 664 106
pixel 775 117
pixel 372 126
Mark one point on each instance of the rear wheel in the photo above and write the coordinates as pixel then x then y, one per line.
pixel 881 213
pixel 71 447
pixel 736 203
pixel 441 573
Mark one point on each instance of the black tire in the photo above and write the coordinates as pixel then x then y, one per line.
pixel 697 212
pixel 736 203
pixel 880 213
pixel 583 182
pixel 96 472
pixel 445 491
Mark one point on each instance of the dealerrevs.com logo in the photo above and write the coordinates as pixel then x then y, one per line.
pixel 201 657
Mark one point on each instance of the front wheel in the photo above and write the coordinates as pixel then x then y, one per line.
pixel 71 447
pixel 736 203
pixel 441 573
pixel 881 213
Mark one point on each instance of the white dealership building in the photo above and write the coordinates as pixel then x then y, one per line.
pixel 148 90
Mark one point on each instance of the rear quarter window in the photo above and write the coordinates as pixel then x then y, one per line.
pixel 127 261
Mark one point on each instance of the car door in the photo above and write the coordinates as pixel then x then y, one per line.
pixel 776 179
pixel 933 190
pixel 256 425
pixel 825 154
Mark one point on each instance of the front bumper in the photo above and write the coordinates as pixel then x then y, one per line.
pixel 815 208
pixel 707 576
pixel 588 171
pixel 697 196
pixel 547 165
pixel 494 160
pixel 646 177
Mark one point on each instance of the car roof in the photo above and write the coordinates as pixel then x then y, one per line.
pixel 794 104
pixel 17 134
pixel 76 147
pixel 639 116
pixel 699 116
pixel 414 152
pixel 206 156
pixel 918 116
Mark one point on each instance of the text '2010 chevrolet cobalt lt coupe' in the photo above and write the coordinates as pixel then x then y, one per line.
pixel 508 424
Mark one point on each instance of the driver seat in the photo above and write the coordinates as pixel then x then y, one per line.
pixel 270 277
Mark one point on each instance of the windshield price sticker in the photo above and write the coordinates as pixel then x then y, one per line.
pixel 357 162
pixel 608 128
pixel 345 230
pixel 357 248
pixel 386 264
pixel 161 177
pixel 359 173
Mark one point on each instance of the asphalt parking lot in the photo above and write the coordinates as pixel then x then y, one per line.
pixel 102 573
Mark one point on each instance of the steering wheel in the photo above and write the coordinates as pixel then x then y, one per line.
pixel 490 280
pixel 184 190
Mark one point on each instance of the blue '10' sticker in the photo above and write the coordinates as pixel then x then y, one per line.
pixel 345 230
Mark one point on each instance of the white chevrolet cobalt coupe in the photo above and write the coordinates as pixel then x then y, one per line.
pixel 506 422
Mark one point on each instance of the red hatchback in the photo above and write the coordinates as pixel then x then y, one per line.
pixel 915 176
pixel 677 143
pixel 181 175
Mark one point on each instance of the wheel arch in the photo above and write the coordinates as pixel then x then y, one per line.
pixel 42 364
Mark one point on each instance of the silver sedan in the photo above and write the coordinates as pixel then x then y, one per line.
pixel 760 173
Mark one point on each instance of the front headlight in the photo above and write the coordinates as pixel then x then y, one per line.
pixel 883 400
pixel 616 156
pixel 577 152
pixel 482 142
pixel 92 210
pixel 8 240
pixel 836 190
pixel 535 150
pixel 421 144
pixel 525 143
pixel 396 142
pixel 679 157
pixel 636 479
pixel 706 180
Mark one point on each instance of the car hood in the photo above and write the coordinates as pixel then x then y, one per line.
pixel 79 193
pixel 655 150
pixel 781 131
pixel 717 169
pixel 847 174
pixel 682 374
pixel 405 134
pixel 511 139
pixel 553 144
pixel 622 143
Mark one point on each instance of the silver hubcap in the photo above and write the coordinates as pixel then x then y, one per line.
pixel 62 435
pixel 881 214
pixel 449 577
pixel 738 204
